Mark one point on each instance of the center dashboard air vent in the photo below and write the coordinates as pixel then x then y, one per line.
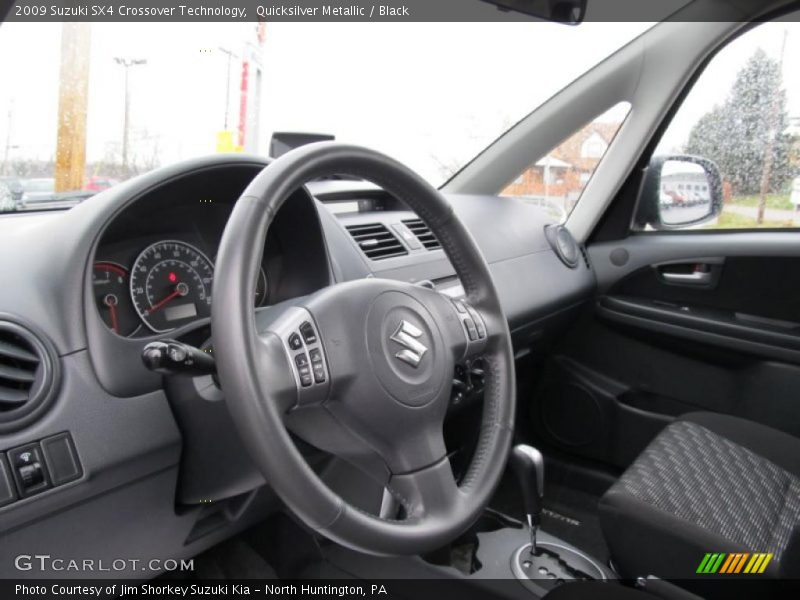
pixel 376 241
pixel 28 374
pixel 423 233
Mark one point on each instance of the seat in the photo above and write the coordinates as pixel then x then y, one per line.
pixel 708 483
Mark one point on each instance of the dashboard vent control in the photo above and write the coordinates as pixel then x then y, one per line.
pixel 27 375
pixel 376 241
pixel 423 233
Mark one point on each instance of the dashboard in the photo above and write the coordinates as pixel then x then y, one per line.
pixel 160 463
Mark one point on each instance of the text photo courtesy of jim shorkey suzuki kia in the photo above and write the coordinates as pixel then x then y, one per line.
pixel 166 590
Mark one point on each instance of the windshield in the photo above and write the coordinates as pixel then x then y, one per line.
pixel 83 107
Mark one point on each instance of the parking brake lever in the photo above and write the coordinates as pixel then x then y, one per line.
pixel 170 357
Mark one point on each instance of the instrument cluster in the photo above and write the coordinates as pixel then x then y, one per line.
pixel 168 285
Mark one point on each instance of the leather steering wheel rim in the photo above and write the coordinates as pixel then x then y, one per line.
pixel 256 371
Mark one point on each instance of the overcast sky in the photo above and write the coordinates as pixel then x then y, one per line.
pixel 428 94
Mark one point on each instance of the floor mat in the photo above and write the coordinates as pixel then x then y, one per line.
pixel 569 514
pixel 232 559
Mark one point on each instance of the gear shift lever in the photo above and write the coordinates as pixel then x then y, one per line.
pixel 528 465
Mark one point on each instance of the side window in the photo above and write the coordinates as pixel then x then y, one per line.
pixel 743 115
pixel 556 181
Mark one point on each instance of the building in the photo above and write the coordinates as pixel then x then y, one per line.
pixel 564 172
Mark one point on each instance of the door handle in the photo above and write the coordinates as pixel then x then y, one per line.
pixel 695 277
pixel 696 273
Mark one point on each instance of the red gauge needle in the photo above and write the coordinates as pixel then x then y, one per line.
pixel 111 302
pixel 180 290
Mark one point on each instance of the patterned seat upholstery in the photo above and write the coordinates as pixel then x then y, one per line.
pixel 696 490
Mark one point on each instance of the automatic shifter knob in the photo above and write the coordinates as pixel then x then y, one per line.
pixel 528 465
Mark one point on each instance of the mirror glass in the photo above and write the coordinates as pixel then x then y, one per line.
pixel 685 193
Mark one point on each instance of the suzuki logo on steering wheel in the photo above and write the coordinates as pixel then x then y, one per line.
pixel 406 335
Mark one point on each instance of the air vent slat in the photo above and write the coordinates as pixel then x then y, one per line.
pixel 12 397
pixel 17 352
pixel 376 241
pixel 387 237
pixel 423 233
pixel 15 374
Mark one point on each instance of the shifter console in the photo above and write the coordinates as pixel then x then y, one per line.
pixel 541 565
pixel 552 565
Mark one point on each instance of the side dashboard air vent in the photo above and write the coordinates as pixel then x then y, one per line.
pixel 28 375
pixel 376 241
pixel 423 233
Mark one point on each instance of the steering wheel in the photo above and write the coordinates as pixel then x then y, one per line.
pixel 362 369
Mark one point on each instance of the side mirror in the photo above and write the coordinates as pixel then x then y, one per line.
pixel 679 191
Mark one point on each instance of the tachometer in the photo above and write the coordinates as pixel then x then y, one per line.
pixel 171 285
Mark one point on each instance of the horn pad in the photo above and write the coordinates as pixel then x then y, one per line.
pixel 405 349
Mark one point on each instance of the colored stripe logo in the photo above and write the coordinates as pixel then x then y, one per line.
pixel 733 563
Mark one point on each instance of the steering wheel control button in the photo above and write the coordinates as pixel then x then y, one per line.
pixel 472 330
pixel 28 469
pixel 309 335
pixel 303 370
pixel 61 458
pixel 295 343
pixel 472 321
pixel 317 366
pixel 481 327
pixel 479 324
pixel 460 307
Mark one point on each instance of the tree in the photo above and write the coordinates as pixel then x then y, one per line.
pixel 736 134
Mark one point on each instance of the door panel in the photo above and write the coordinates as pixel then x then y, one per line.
pixel 655 347
pixel 614 261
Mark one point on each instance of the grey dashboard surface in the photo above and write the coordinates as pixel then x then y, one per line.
pixel 530 278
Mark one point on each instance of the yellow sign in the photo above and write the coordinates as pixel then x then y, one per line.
pixel 225 143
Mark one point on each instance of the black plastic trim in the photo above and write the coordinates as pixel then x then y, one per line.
pixel 708 326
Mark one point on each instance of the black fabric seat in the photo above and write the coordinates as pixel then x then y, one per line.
pixel 706 483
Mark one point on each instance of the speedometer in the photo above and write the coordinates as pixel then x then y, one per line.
pixel 171 285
